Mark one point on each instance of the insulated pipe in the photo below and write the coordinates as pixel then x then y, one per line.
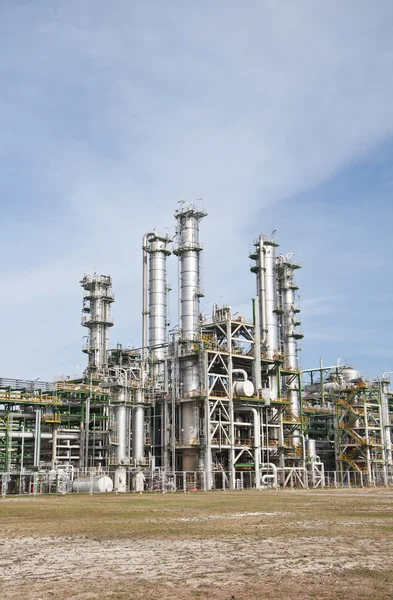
pixel 37 438
pixel 30 435
pixel 15 415
pixel 138 434
pixel 54 445
pixel 386 425
pixel 273 467
pixel 257 440
pixel 242 372
pixel 257 346
pixel 266 477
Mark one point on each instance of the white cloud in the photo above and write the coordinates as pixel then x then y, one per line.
pixel 122 112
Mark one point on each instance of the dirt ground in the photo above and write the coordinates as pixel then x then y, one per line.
pixel 219 545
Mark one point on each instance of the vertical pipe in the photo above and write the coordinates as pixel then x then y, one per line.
pixel 366 431
pixel 37 439
pixel 230 403
pixel 322 383
pixel 257 346
pixel 87 430
pixel 22 452
pixel 173 406
pixel 145 294
pixel 257 441
pixel 208 449
pixel 386 425
pixel 54 445
pixel 137 451
pixel 138 434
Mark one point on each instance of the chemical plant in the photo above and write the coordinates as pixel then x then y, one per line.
pixel 214 403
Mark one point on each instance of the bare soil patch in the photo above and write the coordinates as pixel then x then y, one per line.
pixel 219 545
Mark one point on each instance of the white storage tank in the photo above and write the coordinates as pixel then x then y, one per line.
pixel 96 485
pixel 243 389
pixel 350 374
pixel 311 450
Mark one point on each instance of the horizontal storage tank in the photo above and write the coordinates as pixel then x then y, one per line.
pixel 243 389
pixel 96 485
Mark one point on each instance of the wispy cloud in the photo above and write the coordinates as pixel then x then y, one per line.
pixel 109 116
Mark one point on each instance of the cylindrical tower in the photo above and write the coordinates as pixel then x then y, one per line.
pixel 270 298
pixel 154 334
pixel 96 303
pixel 120 418
pixel 188 250
pixel 120 425
pixel 291 321
pixel 266 278
pixel 158 250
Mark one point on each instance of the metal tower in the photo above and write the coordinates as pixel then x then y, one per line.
pixel 158 250
pixel 96 303
pixel 188 250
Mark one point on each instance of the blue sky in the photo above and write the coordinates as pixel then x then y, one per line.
pixel 278 114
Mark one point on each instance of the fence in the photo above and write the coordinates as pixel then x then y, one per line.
pixel 140 481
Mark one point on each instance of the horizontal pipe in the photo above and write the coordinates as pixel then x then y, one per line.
pixel 242 372
pixel 16 415
pixel 28 435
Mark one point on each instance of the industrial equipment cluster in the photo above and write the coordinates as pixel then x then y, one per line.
pixel 214 403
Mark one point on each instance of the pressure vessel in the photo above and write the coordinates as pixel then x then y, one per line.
pixel 243 389
pixel 85 485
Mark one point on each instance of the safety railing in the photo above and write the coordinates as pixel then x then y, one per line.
pixel 64 480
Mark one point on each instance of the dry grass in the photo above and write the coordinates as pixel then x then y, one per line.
pixel 219 545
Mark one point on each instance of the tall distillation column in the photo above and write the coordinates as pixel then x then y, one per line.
pixel 264 269
pixel 155 298
pixel 290 335
pixel 158 250
pixel 188 250
pixel 97 304
pixel 290 323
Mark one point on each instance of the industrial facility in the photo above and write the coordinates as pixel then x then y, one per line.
pixel 216 402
